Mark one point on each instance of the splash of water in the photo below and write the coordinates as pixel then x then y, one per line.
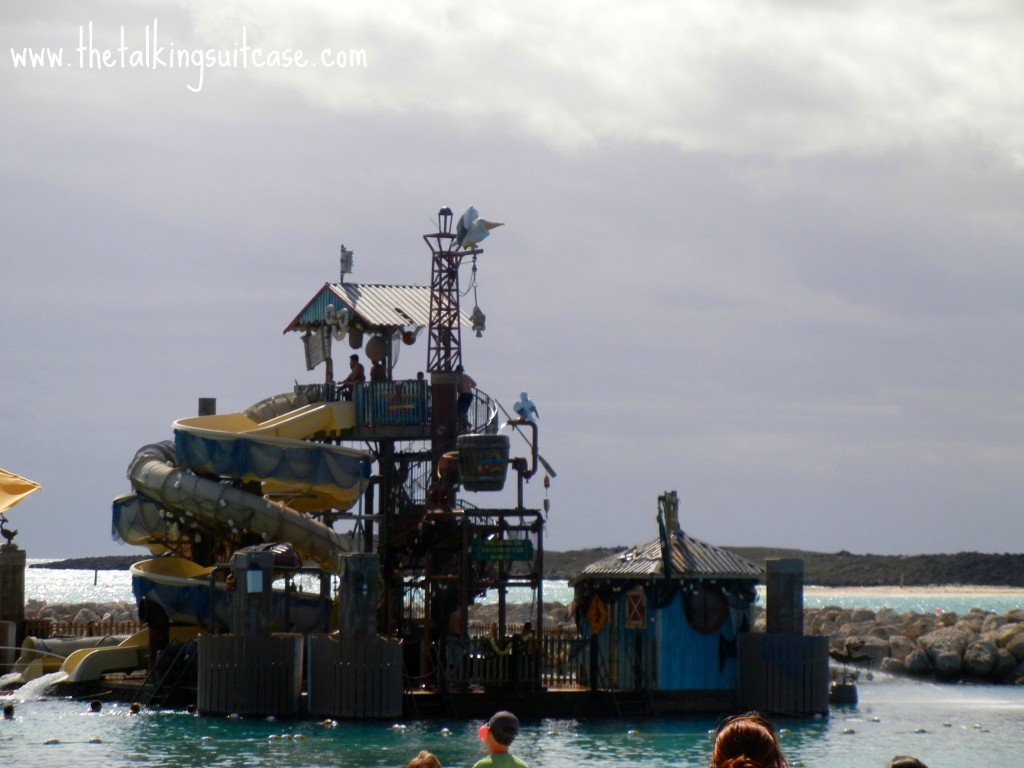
pixel 39 688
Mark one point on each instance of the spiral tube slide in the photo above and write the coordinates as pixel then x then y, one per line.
pixel 316 475
pixel 192 475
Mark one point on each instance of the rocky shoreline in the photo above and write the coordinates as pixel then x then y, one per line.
pixel 555 614
pixel 81 613
pixel 977 646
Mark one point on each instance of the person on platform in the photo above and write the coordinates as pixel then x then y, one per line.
pixel 497 736
pixel 356 375
pixel 747 741
pixel 526 640
pixel 464 387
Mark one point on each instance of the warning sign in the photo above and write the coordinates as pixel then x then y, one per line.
pixel 597 615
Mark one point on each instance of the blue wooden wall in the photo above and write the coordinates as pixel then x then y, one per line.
pixel 668 653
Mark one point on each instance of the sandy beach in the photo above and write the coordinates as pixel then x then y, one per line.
pixel 895 591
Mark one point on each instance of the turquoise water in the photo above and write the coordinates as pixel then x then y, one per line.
pixel 955 725
pixel 944 726
pixel 919 599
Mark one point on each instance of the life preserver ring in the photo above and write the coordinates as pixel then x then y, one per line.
pixel 337 320
pixel 707 610
pixel 498 649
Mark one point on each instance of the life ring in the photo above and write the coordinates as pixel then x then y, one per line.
pixel 499 650
pixel 707 610
pixel 337 320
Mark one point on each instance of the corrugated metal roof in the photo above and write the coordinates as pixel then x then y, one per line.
pixel 691 558
pixel 373 306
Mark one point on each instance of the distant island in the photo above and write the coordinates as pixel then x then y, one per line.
pixel 840 569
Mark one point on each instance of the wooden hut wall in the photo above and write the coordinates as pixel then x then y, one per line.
pixel 634 651
pixel 690 659
pixel 681 638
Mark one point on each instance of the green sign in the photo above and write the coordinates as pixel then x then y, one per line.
pixel 502 549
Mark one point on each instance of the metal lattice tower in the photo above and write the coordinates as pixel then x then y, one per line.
pixel 444 347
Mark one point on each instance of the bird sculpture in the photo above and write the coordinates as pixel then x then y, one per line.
pixel 525 408
pixel 472 229
pixel 9 535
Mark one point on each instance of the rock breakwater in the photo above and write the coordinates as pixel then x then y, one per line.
pixel 81 613
pixel 555 614
pixel 976 646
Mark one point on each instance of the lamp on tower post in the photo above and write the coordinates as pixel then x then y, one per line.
pixel 444 221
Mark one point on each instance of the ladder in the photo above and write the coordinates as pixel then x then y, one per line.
pixel 163 683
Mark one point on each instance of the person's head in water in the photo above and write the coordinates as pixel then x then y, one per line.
pixel 747 741
pixel 500 731
pixel 424 760
pixel 905 761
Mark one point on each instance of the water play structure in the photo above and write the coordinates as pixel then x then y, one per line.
pixel 319 552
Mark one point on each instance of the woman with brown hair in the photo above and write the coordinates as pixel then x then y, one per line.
pixel 747 741
pixel 424 760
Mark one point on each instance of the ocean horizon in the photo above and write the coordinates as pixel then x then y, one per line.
pixel 63 586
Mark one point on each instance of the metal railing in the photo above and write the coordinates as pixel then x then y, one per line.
pixel 556 659
pixel 392 403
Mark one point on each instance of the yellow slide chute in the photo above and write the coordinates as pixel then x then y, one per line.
pixel 265 472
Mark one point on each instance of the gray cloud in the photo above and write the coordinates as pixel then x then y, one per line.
pixel 770 259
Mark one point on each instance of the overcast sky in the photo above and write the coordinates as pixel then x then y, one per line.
pixel 764 253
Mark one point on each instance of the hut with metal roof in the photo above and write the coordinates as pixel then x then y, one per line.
pixel 665 616
pixel 364 313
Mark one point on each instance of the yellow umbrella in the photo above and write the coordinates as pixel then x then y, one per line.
pixel 14 488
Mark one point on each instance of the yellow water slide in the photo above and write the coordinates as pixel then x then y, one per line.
pixel 260 471
pixel 87 658
pixel 279 454
pixel 132 653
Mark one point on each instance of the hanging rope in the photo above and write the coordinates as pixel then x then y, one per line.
pixel 472 282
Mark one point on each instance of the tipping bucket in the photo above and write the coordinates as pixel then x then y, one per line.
pixel 483 461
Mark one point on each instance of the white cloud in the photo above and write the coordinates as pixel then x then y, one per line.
pixel 732 77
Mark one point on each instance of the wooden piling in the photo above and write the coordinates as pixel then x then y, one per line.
pixel 250 675
pixel 12 588
pixel 783 674
pixel 354 678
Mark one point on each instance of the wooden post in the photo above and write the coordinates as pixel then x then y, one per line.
pixel 254 675
pixel 359 591
pixel 12 587
pixel 783 674
pixel 784 611
pixel 355 678
pixel 251 614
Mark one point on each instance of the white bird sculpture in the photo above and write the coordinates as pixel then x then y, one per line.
pixel 472 229
pixel 525 408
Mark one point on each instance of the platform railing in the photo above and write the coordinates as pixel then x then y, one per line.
pixel 404 402
pixel 556 659
pixel 392 403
